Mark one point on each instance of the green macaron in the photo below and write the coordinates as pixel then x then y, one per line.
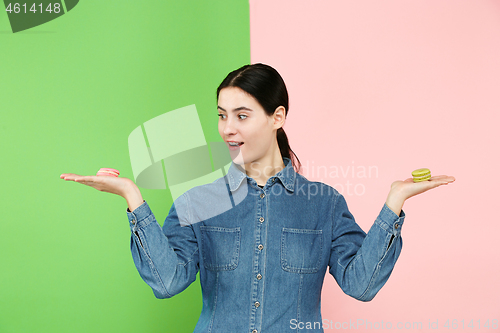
pixel 421 175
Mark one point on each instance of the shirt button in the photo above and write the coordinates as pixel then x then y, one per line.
pixel 257 304
pixel 261 219
pixel 262 195
pixel 259 276
pixel 254 331
pixel 260 246
pixel 396 226
pixel 133 221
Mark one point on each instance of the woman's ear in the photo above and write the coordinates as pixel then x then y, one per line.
pixel 279 117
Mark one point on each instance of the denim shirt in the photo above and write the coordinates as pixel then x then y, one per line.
pixel 262 253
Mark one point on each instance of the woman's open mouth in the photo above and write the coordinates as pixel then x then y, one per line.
pixel 233 145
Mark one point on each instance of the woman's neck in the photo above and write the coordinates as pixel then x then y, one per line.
pixel 264 169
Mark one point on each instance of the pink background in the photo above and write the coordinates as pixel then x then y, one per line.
pixel 398 85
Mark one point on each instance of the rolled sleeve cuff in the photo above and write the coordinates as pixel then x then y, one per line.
pixel 139 217
pixel 389 221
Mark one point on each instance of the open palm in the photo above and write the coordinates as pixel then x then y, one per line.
pixel 110 184
pixel 408 188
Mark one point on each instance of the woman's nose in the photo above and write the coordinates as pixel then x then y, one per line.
pixel 229 127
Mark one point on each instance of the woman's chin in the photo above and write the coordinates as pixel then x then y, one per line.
pixel 238 160
pixel 237 157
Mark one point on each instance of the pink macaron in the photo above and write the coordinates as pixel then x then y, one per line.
pixel 108 172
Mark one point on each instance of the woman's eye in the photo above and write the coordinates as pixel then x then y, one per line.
pixel 223 116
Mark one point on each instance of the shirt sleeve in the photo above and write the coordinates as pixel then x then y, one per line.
pixel 362 263
pixel 166 257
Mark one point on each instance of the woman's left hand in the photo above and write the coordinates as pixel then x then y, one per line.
pixel 402 190
pixel 407 189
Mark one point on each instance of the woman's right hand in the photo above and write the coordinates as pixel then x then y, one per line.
pixel 116 185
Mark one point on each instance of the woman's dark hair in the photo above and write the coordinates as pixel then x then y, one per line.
pixel 266 85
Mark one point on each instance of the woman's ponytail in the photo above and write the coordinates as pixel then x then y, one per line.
pixel 285 149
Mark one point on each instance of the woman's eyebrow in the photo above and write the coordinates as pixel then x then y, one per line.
pixel 241 108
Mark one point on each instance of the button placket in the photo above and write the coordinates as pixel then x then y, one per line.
pixel 258 263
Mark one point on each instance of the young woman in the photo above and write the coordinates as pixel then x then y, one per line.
pixel 262 237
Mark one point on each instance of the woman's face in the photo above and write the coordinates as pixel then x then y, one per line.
pixel 243 122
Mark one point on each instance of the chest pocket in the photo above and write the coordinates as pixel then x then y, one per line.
pixel 221 247
pixel 301 250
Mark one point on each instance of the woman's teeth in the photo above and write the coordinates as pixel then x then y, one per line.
pixel 235 143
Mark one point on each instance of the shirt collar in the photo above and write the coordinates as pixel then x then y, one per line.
pixel 287 176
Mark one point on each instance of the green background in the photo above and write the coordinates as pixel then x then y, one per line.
pixel 71 91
